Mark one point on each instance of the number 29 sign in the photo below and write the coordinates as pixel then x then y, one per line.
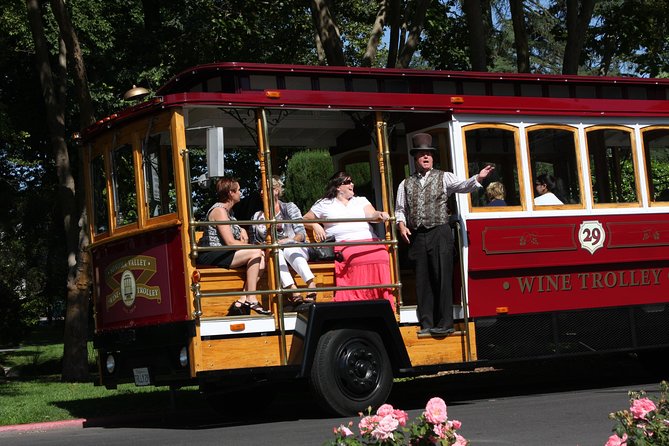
pixel 591 235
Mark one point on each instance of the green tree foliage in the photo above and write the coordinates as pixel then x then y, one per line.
pixel 444 46
pixel 629 37
pixel 29 280
pixel 307 175
pixel 355 20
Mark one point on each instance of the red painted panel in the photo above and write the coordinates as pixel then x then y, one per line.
pixel 139 280
pixel 549 264
pixel 638 234
pixel 505 105
pixel 537 238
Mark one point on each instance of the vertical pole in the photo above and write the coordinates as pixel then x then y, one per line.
pixel 269 206
pixel 383 155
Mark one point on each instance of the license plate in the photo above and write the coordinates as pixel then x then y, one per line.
pixel 142 377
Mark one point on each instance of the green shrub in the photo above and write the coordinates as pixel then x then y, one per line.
pixel 307 175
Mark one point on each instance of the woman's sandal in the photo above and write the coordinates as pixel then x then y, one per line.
pixel 296 300
pixel 310 298
pixel 238 309
pixel 255 306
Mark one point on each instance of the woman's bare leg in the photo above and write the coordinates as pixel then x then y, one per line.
pixel 254 260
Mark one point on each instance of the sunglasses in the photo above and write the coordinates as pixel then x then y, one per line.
pixel 346 182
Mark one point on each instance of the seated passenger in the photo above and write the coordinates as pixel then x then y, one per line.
pixel 545 186
pixel 288 233
pixel 359 264
pixel 228 194
pixel 496 194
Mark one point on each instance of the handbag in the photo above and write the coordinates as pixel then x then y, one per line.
pixel 322 253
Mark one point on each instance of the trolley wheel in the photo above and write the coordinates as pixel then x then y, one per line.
pixel 351 371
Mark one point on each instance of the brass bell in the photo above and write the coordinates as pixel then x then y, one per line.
pixel 135 93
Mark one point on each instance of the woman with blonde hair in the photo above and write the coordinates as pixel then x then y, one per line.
pixel 496 194
pixel 287 233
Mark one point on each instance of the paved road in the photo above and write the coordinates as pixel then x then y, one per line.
pixel 549 403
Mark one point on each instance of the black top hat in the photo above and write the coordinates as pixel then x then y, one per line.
pixel 422 141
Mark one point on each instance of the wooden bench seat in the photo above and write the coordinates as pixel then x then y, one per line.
pixel 221 280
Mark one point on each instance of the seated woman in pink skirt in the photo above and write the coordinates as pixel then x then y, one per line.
pixel 361 264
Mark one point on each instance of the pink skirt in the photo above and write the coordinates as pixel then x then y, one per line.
pixel 363 265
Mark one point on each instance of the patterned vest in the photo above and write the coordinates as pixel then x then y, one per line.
pixel 426 205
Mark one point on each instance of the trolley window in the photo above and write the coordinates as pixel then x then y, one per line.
pixel 612 170
pixel 159 175
pixel 553 160
pixel 656 153
pixel 100 209
pixel 496 145
pixel 125 194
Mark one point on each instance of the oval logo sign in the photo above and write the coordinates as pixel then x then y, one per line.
pixel 128 288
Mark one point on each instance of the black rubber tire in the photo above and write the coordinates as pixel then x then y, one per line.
pixel 351 371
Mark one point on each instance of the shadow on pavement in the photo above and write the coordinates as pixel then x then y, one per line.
pixel 292 401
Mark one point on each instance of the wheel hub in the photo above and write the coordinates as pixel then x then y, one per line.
pixel 358 370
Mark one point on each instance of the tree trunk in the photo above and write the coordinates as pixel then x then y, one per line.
pixel 75 366
pixel 375 37
pixel 327 32
pixel 579 13
pixel 394 23
pixel 75 355
pixel 609 47
pixel 76 59
pixel 520 35
pixel 488 32
pixel 477 51
pixel 417 22
pixel 319 50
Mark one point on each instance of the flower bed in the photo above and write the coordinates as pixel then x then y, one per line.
pixel 646 423
pixel 388 427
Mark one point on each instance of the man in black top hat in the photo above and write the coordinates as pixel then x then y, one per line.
pixel 422 217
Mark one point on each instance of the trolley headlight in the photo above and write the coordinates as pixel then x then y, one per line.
pixel 111 364
pixel 183 357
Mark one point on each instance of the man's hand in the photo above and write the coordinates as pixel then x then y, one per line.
pixel 404 232
pixel 487 170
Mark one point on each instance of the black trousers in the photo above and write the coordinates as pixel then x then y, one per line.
pixel 432 251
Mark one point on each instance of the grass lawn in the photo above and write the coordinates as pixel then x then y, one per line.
pixel 33 391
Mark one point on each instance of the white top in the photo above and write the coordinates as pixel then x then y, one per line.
pixel 333 208
pixel 546 199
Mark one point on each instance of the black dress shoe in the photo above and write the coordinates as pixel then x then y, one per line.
pixel 442 331
pixel 424 331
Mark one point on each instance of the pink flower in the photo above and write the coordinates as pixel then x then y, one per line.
pixel 455 424
pixel 385 428
pixel 401 416
pixel 641 407
pixel 440 430
pixel 368 423
pixel 615 440
pixel 344 430
pixel 435 411
pixel 460 440
pixel 384 410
